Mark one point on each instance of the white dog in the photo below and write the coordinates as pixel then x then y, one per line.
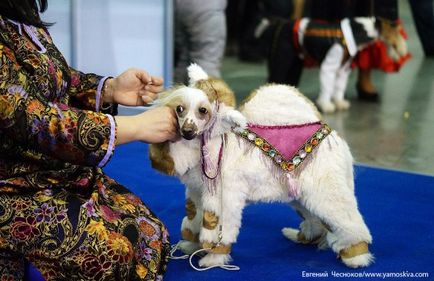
pixel 225 163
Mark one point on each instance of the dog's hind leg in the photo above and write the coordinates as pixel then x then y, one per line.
pixel 311 230
pixel 335 205
pixel 191 223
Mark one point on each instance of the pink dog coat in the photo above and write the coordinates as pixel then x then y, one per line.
pixel 287 145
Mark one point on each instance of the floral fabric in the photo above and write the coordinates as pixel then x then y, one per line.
pixel 108 234
pixel 57 208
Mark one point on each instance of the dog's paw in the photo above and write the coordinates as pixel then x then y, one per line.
pixel 296 236
pixel 363 260
pixel 196 73
pixel 325 106
pixel 214 259
pixel 342 104
pixel 188 247
pixel 235 120
pixel 323 243
pixel 291 234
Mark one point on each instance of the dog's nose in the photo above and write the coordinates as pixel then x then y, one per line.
pixel 188 133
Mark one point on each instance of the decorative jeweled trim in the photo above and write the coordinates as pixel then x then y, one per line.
pixel 297 158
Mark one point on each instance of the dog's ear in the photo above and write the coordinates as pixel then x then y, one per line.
pixel 232 119
pixel 196 73
pixel 161 159
pixel 217 90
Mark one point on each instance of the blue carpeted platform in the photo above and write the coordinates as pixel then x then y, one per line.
pixel 398 208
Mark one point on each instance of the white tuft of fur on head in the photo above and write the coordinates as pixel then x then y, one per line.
pixel 196 73
pixel 167 96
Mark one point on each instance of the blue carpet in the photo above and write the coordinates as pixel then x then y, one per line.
pixel 398 209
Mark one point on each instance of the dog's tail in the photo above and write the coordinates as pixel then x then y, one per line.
pixel 215 88
pixel 196 73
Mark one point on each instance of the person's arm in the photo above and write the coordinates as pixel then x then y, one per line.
pixel 134 87
pixel 86 90
pixel 77 136
pixel 71 135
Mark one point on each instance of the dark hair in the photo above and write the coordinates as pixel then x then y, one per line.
pixel 24 11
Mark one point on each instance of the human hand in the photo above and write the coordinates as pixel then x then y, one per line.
pixel 152 126
pixel 157 125
pixel 134 87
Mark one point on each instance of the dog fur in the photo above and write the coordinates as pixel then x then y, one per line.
pixel 326 202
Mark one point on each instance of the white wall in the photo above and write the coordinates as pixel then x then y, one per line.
pixel 108 36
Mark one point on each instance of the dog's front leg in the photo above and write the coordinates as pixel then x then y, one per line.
pixel 341 85
pixel 221 223
pixel 327 76
pixel 192 222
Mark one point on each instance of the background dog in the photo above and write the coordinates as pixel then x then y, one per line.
pixel 223 169
pixel 329 45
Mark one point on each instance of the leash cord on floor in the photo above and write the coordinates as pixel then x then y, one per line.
pixel 224 266
pixel 175 247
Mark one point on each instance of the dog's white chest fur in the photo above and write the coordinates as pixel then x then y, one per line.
pixel 185 154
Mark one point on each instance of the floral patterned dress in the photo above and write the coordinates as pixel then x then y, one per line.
pixel 57 208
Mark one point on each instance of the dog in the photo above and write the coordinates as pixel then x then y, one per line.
pixel 225 163
pixel 327 44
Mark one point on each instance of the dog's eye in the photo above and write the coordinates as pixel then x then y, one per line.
pixel 203 110
pixel 179 109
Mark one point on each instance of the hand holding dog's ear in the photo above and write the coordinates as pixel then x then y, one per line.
pixel 133 87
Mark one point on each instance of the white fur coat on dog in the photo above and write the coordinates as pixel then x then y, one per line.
pixel 223 171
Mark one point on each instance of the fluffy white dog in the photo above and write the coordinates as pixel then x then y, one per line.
pixel 225 162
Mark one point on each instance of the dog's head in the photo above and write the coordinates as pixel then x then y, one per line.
pixel 193 109
pixel 367 29
pixel 205 102
pixel 391 32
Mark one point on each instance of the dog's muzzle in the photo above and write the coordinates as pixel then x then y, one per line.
pixel 188 134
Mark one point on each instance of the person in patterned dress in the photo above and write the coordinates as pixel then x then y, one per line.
pixel 58 210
